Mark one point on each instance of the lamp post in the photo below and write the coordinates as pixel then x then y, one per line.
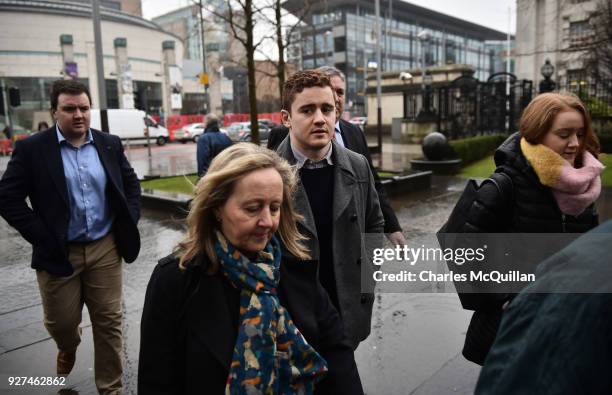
pixel 547 70
pixel 326 38
pixel 426 80
pixel 405 76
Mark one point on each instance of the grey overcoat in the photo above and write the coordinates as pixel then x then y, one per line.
pixel 356 211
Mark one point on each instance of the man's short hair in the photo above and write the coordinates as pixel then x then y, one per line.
pixel 70 87
pixel 212 120
pixel 331 71
pixel 300 81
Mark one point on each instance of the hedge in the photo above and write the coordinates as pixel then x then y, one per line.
pixel 474 148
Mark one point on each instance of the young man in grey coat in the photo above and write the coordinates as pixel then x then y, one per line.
pixel 336 197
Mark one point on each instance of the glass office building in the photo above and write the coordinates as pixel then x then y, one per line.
pixel 342 33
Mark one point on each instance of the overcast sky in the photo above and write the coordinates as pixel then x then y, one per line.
pixel 490 13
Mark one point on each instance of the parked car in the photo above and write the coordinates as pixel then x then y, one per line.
pixel 359 121
pixel 241 131
pixel 190 132
pixel 267 122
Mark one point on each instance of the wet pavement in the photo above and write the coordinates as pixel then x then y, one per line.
pixel 416 338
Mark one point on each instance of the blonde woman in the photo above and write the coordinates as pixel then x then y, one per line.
pixel 238 307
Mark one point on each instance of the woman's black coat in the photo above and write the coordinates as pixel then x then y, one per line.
pixel 190 324
pixel 533 209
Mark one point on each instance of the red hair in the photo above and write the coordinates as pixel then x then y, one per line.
pixel 539 115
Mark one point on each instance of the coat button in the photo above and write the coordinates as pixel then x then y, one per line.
pixel 358 262
pixel 353 217
pixel 364 298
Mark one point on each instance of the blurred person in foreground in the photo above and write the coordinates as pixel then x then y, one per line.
pixel 85 204
pixel 554 180
pixel 210 143
pixel 552 340
pixel 237 307
pixel 336 198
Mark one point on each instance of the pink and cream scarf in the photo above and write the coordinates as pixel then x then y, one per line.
pixel 573 189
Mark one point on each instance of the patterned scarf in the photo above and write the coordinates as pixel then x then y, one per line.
pixel 573 189
pixel 270 356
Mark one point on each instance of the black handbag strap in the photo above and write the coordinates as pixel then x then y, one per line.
pixel 504 185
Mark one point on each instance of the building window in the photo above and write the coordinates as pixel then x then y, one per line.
pixel 340 44
pixel 450 52
pixel 580 32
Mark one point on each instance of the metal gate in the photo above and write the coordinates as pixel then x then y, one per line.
pixel 469 107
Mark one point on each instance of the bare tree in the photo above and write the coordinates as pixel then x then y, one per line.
pixel 241 16
pixel 284 29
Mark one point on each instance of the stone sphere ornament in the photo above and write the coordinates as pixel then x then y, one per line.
pixel 435 146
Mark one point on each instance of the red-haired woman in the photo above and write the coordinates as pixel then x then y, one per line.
pixel 555 175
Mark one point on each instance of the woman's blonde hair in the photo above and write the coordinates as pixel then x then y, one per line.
pixel 213 190
pixel 539 115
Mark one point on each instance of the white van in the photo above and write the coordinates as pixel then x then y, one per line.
pixel 131 125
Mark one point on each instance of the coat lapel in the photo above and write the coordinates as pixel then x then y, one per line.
pixel 344 180
pixel 105 150
pixel 302 205
pixel 55 166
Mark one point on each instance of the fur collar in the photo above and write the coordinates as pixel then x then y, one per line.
pixel 573 189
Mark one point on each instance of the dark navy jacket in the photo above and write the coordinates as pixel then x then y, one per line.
pixel 210 143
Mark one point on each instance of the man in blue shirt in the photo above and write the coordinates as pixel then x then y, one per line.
pixel 85 204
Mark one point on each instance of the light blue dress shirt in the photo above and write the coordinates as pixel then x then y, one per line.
pixel 339 138
pixel 90 214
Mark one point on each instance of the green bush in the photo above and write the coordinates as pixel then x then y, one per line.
pixel 474 148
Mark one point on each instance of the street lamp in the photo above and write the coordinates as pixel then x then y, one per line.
pixel 423 36
pixel 547 70
pixel 426 79
pixel 405 76
pixel 326 37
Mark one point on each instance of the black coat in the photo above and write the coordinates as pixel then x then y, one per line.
pixel 533 209
pixel 355 140
pixel 190 323
pixel 36 171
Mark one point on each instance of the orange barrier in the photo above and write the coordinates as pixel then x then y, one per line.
pixel 5 147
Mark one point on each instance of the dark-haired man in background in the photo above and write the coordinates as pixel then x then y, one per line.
pixel 85 204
